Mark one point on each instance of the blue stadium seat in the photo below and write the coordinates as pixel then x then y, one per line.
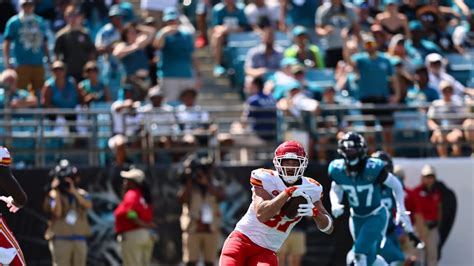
pixel 461 67
pixel 318 79
pixel 410 130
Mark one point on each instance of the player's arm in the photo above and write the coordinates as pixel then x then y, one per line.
pixel 266 207
pixel 9 183
pixel 336 195
pixel 323 219
pixel 392 182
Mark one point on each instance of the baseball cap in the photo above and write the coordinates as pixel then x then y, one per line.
pixel 155 92
pixel 428 170
pixel 134 174
pixel 115 10
pixel 170 14
pixel 288 61
pixel 22 2
pixel 391 2
pixel 444 84
pixel 433 57
pixel 297 68
pixel 58 64
pixel 299 30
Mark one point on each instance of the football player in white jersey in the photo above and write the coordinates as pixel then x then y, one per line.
pixel 10 251
pixel 263 229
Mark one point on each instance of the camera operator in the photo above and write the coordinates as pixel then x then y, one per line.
pixel 67 206
pixel 200 218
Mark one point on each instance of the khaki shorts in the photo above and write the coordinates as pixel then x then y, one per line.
pixel 295 244
pixel 30 74
pixel 195 244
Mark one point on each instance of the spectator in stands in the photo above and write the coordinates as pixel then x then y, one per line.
pixel 463 35
pixel 375 83
pixel 27 32
pixel 131 50
pixel 159 117
pixel 151 54
pixel 278 83
pixel 421 92
pixel 296 12
pixel 60 91
pixel 200 219
pixel 178 67
pixel 447 130
pixel 127 10
pixel 66 205
pixel 409 59
pixel 428 201
pixel 418 41
pixel 134 219
pixel 365 18
pixel 380 37
pixel 392 21
pixel 258 10
pixel 12 96
pixel 437 72
pixel 435 26
pixel 307 54
pixel 109 34
pixel 331 18
pixel 260 112
pixel 73 44
pixel 227 17
pixel 92 89
pixel 126 125
pixel 202 10
pixel 264 59
pixel 297 102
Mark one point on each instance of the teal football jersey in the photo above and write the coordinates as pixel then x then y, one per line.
pixel 364 190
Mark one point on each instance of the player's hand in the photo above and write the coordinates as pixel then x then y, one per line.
pixel 416 241
pixel 337 210
pixel 9 201
pixel 307 209
pixel 296 191
pixel 403 218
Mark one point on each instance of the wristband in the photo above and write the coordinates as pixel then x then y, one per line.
pixel 315 212
pixel 289 190
pixel 328 227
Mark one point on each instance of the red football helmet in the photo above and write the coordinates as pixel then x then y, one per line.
pixel 290 150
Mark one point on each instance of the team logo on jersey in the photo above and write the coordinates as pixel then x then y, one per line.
pixel 275 192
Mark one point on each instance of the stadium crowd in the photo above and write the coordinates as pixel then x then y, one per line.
pixel 84 54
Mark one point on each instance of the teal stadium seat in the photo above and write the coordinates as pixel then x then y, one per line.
pixel 410 132
pixel 461 67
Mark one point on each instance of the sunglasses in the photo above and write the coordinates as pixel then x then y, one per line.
pixel 370 44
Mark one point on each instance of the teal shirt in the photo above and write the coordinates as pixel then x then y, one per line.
pixel 221 16
pixel 27 37
pixel 66 97
pixel 415 95
pixel 302 12
pixel 177 56
pixel 374 75
pixel 365 190
pixel 99 89
pixel 135 61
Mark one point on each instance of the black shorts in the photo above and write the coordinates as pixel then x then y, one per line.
pixel 384 116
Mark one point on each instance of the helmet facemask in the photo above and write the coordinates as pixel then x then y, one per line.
pixel 351 152
pixel 290 174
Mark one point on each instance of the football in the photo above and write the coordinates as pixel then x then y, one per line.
pixel 290 209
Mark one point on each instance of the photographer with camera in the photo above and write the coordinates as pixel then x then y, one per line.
pixel 200 218
pixel 68 227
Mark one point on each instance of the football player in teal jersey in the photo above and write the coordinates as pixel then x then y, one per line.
pixel 361 178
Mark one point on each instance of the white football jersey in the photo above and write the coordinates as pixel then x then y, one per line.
pixel 272 233
pixel 5 159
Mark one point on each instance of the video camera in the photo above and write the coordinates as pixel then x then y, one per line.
pixel 193 165
pixel 61 171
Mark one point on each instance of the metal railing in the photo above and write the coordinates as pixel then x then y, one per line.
pixel 38 137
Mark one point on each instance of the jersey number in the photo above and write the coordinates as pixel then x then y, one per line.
pixel 352 192
pixel 276 221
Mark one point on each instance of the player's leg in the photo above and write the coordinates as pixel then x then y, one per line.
pixel 234 252
pixel 391 251
pixel 372 230
pixel 264 258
